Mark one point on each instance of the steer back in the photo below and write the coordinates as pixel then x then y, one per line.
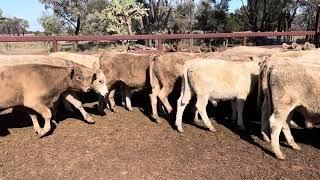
pixel 129 68
pixel 168 67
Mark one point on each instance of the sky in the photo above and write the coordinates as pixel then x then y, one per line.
pixel 31 10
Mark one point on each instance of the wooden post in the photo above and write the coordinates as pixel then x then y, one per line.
pixel 160 45
pixel 54 46
pixel 317 27
pixel 244 43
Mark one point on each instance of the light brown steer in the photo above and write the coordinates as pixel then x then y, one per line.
pixel 165 69
pixel 38 86
pixel 128 69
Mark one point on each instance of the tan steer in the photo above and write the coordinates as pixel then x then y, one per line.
pixel 38 86
pixel 214 80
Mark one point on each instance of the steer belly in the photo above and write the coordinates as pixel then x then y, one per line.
pixel 10 94
pixel 226 95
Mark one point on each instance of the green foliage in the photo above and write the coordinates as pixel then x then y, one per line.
pixel 269 15
pixel 95 25
pixel 73 12
pixel 51 24
pixel 14 26
pixel 175 16
pixel 213 16
pixel 120 14
pixel 160 16
pixel 182 19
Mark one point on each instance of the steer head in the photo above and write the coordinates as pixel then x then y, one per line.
pixel 80 77
pixel 99 82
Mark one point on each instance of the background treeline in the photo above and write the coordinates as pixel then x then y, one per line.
pixel 167 16
pixel 13 26
pixel 175 16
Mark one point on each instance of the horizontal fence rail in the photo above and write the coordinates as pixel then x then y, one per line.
pixel 160 37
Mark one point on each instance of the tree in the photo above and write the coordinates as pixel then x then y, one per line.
pixel 121 13
pixel 305 19
pixel 2 18
pixel 160 11
pixel 270 15
pixel 213 16
pixel 70 12
pixel 51 24
pixel 14 26
pixel 182 17
pixel 95 24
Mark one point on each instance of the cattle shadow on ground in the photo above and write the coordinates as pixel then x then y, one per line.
pixel 89 101
pixel 19 118
pixel 307 136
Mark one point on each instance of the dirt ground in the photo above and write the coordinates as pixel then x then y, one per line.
pixel 128 145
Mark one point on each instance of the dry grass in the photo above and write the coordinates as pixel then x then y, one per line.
pixel 34 48
pixel 18 48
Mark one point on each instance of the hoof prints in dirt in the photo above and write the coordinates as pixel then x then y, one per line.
pixel 128 145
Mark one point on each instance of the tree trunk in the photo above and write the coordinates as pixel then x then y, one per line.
pixel 264 16
pixel 129 23
pixel 77 30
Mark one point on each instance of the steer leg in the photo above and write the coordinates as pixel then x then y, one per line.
pixel 67 105
pixel 234 111
pixel 111 100
pixel 78 104
pixel 277 122
pixel 123 94
pixel 287 134
pixel 181 105
pixel 35 123
pixel 101 103
pixel 240 123
pixel 201 105
pixel 154 101
pixel 128 95
pixel 196 116
pixel 196 112
pixel 45 112
pixel 163 96
pixel 265 112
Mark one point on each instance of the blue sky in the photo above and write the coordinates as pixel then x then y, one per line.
pixel 32 10
pixel 26 9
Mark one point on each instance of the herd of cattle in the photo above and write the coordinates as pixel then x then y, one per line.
pixel 287 79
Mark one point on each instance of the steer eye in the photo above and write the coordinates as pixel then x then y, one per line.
pixel 79 78
pixel 101 82
pixel 94 77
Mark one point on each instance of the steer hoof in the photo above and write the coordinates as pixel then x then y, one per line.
pixel 180 129
pixel 130 108
pixel 196 120
pixel 296 147
pixel 265 137
pixel 90 120
pixel 42 133
pixel 114 109
pixel 212 129
pixel 159 121
pixel 280 156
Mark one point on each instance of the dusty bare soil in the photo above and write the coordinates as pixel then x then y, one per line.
pixel 128 145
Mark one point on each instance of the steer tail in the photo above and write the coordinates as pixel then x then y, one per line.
pixel 152 71
pixel 269 90
pixel 185 88
pixel 262 78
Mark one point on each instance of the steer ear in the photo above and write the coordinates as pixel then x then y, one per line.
pixel 155 56
pixel 74 70
pixel 96 65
